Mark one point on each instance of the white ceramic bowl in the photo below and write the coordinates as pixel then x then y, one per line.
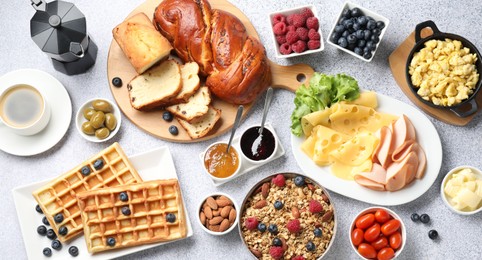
pixel 287 12
pixel 366 12
pixel 79 120
pixel 232 176
pixel 373 210
pixel 205 228
pixel 264 160
pixel 444 196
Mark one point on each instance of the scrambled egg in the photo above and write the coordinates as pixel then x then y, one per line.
pixel 444 72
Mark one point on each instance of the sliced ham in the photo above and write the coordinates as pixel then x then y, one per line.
pixel 408 147
pixel 382 153
pixel 401 173
pixel 403 131
pixel 369 183
pixel 402 151
pixel 375 179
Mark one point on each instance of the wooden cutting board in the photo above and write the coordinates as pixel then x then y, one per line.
pixel 397 61
pixel 285 77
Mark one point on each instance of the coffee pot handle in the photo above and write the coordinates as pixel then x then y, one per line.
pixel 77 49
pixel 39 5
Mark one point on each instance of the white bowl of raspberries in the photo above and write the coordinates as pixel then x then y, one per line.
pixel 296 31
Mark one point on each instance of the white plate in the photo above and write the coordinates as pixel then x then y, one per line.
pixel 60 104
pixel 427 137
pixel 152 165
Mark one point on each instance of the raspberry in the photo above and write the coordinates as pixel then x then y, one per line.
pixel 280 28
pixel 293 226
pixel 315 206
pixel 306 12
pixel 285 49
pixel 313 34
pixel 251 223
pixel 312 23
pixel 298 257
pixel 313 44
pixel 280 39
pixel 289 19
pixel 276 252
pixel 302 33
pixel 291 28
pixel 299 46
pixel 292 37
pixel 279 180
pixel 279 18
pixel 298 20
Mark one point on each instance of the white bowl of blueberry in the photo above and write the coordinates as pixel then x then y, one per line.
pixel 358 31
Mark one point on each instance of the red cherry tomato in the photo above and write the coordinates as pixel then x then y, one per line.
pixel 365 221
pixel 372 233
pixel 357 236
pixel 382 216
pixel 395 240
pixel 367 251
pixel 386 253
pixel 380 243
pixel 390 227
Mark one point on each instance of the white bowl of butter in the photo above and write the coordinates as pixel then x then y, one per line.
pixel 462 190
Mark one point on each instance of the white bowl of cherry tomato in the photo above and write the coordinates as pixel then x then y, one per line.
pixel 377 233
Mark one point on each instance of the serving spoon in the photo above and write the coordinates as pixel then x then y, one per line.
pixel 267 104
pixel 235 126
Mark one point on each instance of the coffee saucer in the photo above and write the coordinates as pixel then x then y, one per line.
pixel 61 106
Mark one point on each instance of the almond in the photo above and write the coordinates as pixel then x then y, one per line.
pixel 224 225
pixel 223 202
pixel 222 197
pixel 260 204
pixel 208 212
pixel 311 187
pixel 216 213
pixel 265 190
pixel 202 217
pixel 225 211
pixel 283 244
pixel 325 198
pixel 327 216
pixel 212 203
pixel 214 228
pixel 295 212
pixel 216 220
pixel 256 252
pixel 232 215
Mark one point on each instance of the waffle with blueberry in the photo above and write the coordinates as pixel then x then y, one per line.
pixel 57 198
pixel 132 215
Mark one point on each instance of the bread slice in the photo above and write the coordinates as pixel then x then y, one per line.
pixel 203 125
pixel 196 107
pixel 143 45
pixel 190 83
pixel 156 86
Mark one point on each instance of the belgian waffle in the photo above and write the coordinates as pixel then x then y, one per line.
pixel 149 204
pixel 59 195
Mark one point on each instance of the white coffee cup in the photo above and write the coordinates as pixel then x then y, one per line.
pixel 23 109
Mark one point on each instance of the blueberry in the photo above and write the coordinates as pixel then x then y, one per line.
pixel 367 34
pixel 111 241
pixel 376 32
pixel 424 218
pixel 123 196
pixel 278 205
pixel 261 227
pixel 171 218
pixel 433 234
pixel 345 33
pixel 334 37
pixel 299 181
pixel 342 19
pixel 173 130
pixel 167 116
pixel 367 55
pixel 63 230
pixel 73 251
pixel 98 164
pixel 358 51
pixel 343 42
pixel 415 217
pixel 356 12
pixel 38 209
pixel 339 28
pixel 58 218
pixel 362 20
pixel 56 245
pixel 369 45
pixel 361 43
pixel 360 34
pixel 277 242
pixel 346 13
pixel 375 39
pixel 42 230
pixel 380 25
pixel 310 246
pixel 348 24
pixel 366 49
pixel 47 252
pixel 273 229
pixel 318 232
pixel 371 24
pixel 85 170
pixel 51 234
pixel 126 211
pixel 351 39
pixel 356 26
pixel 117 82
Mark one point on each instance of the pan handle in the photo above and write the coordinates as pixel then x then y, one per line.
pixel 473 109
pixel 421 26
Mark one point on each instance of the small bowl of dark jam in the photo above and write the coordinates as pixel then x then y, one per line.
pixel 256 147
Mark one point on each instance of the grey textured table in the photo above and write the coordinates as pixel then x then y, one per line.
pixel 460 236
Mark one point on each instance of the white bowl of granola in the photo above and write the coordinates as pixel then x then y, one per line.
pixel 284 204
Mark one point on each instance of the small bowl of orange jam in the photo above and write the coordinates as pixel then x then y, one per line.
pixel 220 164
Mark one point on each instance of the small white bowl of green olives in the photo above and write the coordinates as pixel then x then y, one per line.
pixel 98 120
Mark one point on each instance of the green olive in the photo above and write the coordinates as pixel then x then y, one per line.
pixel 102 133
pixel 110 121
pixel 88 112
pixel 101 105
pixel 87 128
pixel 97 119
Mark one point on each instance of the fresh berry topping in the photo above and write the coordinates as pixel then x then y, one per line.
pixel 173 130
pixel 117 82
pixel 315 206
pixel 38 209
pixel 314 44
pixel 279 180
pixel 47 252
pixel 56 245
pixel 276 252
pixel 298 257
pixel 171 218
pixel 261 227
pixel 285 49
pixel 167 116
pixel 424 218
pixel 299 181
pixel 277 242
pixel 278 205
pixel 42 230
pixel 85 170
pixel 123 196
pixel 306 12
pixel 310 246
pixel 273 229
pixel 280 39
pixel 291 28
pixel 312 23
pixel 111 241
pixel 126 211
pixel 298 20
pixel 98 164
pixel 73 251
pixel 294 226
pixel 318 232
pixel 51 234
pixel 292 37
pixel 313 34
pixel 45 221
pixel 415 217
pixel 63 230
pixel 302 33
pixel 299 46
pixel 58 218
pixel 277 18
pixel 433 234
pixel 280 29
pixel 251 223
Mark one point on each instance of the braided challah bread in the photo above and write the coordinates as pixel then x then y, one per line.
pixel 234 63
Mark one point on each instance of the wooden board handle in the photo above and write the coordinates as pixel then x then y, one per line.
pixel 290 77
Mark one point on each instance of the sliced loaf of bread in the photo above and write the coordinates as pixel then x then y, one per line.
pixel 190 83
pixel 203 125
pixel 196 107
pixel 156 86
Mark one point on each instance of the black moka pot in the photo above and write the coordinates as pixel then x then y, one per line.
pixel 59 29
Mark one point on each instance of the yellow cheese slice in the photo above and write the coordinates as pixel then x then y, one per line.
pixel 326 140
pixel 348 172
pixel 357 150
pixel 368 99
pixel 308 146
pixel 308 122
